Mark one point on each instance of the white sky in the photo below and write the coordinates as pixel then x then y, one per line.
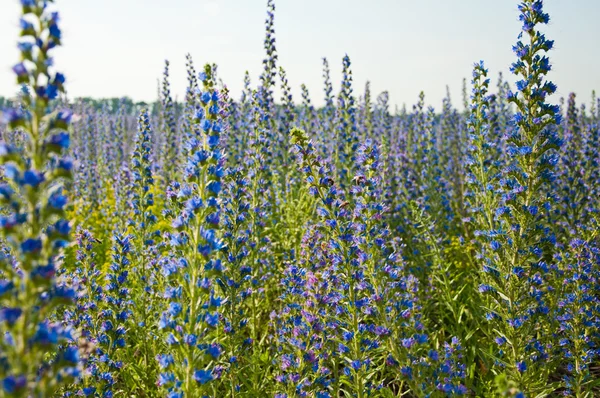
pixel 114 48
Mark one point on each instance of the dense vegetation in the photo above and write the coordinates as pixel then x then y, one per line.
pixel 266 248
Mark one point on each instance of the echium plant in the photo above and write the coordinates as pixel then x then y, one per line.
pixel 169 141
pixel 578 316
pixel 482 174
pixel 141 222
pixel 286 121
pixel 303 340
pixel 326 115
pixel 307 362
pixel 411 164
pixel 261 191
pixel 111 325
pixel 190 94
pixel 572 190
pixel 267 78
pixel 192 319
pixel 242 125
pixel 432 176
pixel 122 140
pixel 86 278
pixel 591 161
pixel 465 95
pixel 365 114
pixel 235 281
pixel 387 140
pixel 482 170
pixel 308 117
pixel 349 257
pixel 518 284
pixel 347 136
pixel 121 148
pixel 86 179
pixel 35 226
pixel 450 145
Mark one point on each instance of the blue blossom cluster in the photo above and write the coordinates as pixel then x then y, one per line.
pixel 34 225
pixel 192 316
pixel 108 331
pixel 170 139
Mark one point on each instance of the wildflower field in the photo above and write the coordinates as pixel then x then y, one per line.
pixel 265 247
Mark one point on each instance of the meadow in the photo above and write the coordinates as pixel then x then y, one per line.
pixel 265 247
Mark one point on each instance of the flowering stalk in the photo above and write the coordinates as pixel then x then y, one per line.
pixel 141 222
pixel 192 320
pixel 518 288
pixel 347 136
pixel 327 113
pixel 82 317
pixel 482 170
pixel 349 263
pixel 309 119
pixel 285 124
pixel 110 334
pixel 267 78
pixel 35 226
pixel 366 113
pixel 236 278
pixel 578 315
pixel 169 153
pixel 261 208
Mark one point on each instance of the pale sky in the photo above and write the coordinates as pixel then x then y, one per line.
pixel 116 48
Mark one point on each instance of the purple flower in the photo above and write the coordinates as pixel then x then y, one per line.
pixel 20 70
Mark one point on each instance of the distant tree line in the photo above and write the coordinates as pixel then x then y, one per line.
pixel 131 107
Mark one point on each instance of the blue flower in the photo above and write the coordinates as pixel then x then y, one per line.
pixel 483 288
pixel 174 309
pixel 6 286
pixel 59 79
pixel 165 361
pixel 57 201
pixel 10 315
pixel 434 355
pixel 203 376
pixel 165 378
pixel 190 339
pixel 33 178
pixel 54 31
pixel 205 97
pixel 13 384
pixel 31 245
pixel 61 140
pixel 214 350
pixel 212 319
